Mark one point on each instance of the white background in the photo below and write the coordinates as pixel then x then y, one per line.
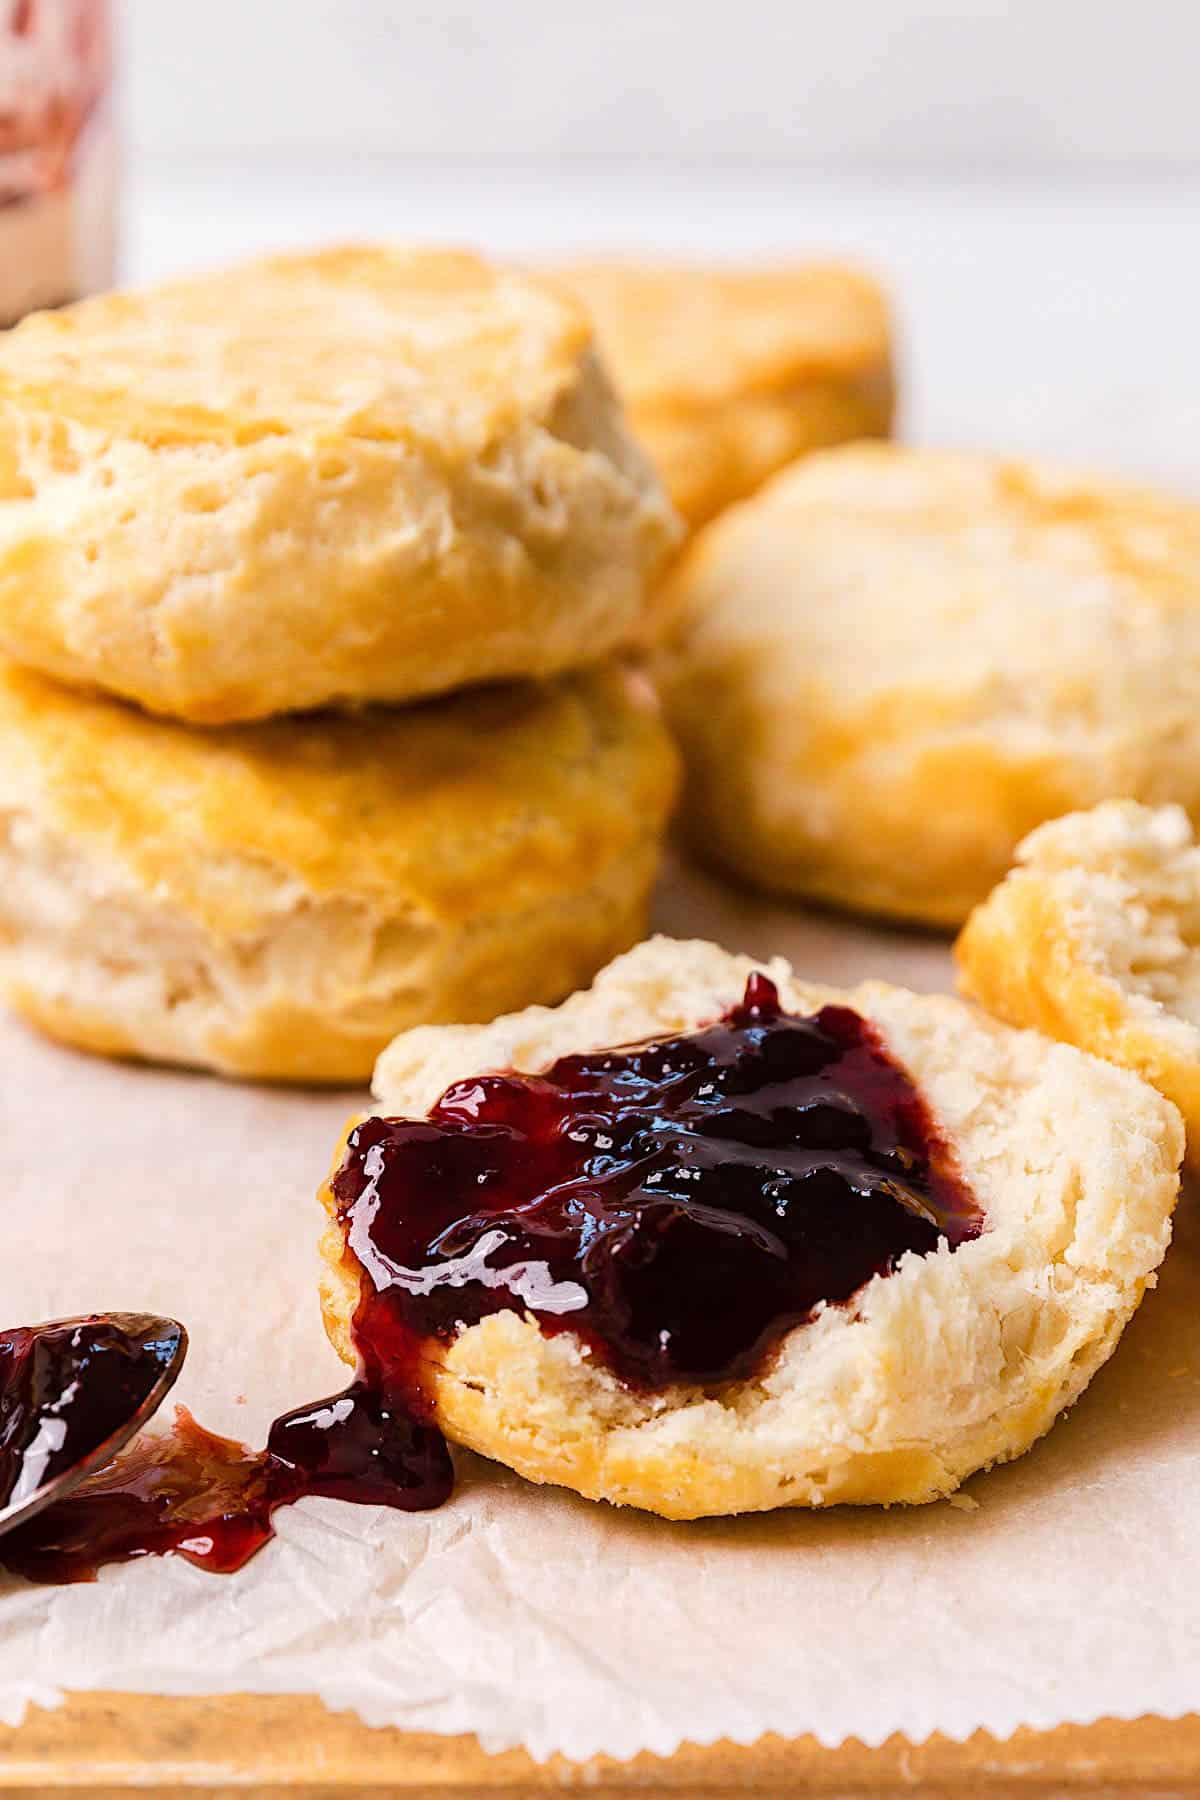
pixel 1026 177
pixel 943 85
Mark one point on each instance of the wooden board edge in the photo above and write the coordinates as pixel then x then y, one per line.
pixel 103 1745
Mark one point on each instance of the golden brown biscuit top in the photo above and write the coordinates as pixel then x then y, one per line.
pixel 435 804
pixel 433 347
pixel 976 586
pixel 994 507
pixel 675 331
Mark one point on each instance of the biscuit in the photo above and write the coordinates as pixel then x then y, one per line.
pixel 893 663
pixel 951 1363
pixel 278 900
pixel 729 373
pixel 355 475
pixel 1094 938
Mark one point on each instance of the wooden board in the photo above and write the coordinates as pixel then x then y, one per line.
pixel 102 1745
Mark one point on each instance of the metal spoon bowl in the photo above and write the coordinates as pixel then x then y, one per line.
pixel 73 1392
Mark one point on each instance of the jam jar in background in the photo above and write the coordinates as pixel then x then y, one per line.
pixel 57 153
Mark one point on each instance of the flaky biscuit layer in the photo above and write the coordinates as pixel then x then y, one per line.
pixel 278 900
pixel 1094 938
pixel 352 475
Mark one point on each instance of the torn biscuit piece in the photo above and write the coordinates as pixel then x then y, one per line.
pixel 708 1238
pixel 1094 938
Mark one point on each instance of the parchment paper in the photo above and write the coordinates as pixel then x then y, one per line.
pixel 1070 1591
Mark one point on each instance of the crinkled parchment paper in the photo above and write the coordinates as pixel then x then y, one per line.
pixel 527 1615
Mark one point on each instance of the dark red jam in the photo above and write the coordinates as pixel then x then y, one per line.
pixel 210 1500
pixel 679 1206
pixel 66 1389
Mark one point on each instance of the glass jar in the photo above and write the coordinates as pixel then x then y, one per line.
pixel 57 153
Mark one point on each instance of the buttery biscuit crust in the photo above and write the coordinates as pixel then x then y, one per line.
pixel 357 474
pixel 278 900
pixel 893 663
pixel 730 373
pixel 952 1363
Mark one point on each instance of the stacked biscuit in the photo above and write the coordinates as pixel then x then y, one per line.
pixel 313 576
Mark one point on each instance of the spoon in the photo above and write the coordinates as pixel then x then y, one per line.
pixel 73 1392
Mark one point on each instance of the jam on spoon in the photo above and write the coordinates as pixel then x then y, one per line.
pixel 679 1205
pixel 211 1500
pixel 72 1392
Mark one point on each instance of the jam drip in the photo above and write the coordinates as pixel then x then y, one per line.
pixel 678 1206
pixel 203 1497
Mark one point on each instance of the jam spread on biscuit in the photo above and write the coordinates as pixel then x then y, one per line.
pixel 678 1206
